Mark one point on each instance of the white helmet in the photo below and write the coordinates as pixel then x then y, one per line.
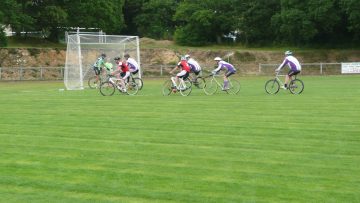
pixel 187 56
pixel 217 59
pixel 288 53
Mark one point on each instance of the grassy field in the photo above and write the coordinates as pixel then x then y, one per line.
pixel 78 146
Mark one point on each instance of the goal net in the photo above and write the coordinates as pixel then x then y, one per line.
pixel 84 49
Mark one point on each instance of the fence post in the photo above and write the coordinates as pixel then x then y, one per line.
pixel 259 68
pixel 161 70
pixel 41 73
pixel 0 74
pixel 321 68
pixel 20 73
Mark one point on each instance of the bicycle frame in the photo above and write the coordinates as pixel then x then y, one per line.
pixel 214 77
pixel 114 81
pixel 280 81
pixel 180 85
pixel 295 86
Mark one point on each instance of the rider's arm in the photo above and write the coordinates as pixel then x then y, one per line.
pixel 217 69
pixel 282 65
pixel 176 67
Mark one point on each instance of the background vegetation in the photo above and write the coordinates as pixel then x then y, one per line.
pixel 194 22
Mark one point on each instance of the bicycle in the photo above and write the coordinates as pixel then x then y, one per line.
pixel 96 80
pixel 212 86
pixel 108 88
pixel 296 86
pixel 198 81
pixel 183 86
pixel 136 80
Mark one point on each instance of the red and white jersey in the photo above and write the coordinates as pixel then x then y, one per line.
pixel 122 67
pixel 184 65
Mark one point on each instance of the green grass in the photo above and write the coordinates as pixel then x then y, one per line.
pixel 78 146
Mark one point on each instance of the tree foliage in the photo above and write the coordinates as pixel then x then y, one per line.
pixel 193 22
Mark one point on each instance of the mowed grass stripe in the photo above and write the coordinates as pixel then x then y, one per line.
pixel 229 146
pixel 199 166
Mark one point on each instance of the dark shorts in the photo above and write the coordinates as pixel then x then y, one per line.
pixel 196 72
pixel 122 74
pixel 184 77
pixel 293 72
pixel 229 73
pixel 135 72
pixel 97 70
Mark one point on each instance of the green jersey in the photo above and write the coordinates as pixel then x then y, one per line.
pixel 99 63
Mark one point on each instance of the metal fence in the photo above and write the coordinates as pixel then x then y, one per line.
pixel 31 73
pixel 57 73
pixel 307 68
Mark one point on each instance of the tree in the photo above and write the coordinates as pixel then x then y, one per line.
pixel 352 10
pixel 131 9
pixel 293 24
pixel 106 15
pixel 204 21
pixel 255 20
pixel 155 19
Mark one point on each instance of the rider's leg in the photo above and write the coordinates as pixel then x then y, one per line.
pixel 226 82
pixel 174 81
pixel 287 78
pixel 181 74
pixel 125 78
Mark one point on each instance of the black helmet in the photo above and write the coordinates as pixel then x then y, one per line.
pixel 117 58
pixel 126 55
pixel 103 55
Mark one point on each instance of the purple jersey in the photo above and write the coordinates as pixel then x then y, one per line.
pixel 292 62
pixel 225 65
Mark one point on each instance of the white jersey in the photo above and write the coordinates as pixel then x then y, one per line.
pixel 132 64
pixel 194 65
pixel 292 62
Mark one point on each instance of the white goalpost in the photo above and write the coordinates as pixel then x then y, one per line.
pixel 84 49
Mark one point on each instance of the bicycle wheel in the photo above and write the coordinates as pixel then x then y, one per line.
pixel 189 82
pixel 234 87
pixel 139 82
pixel 186 89
pixel 296 86
pixel 131 88
pixel 167 88
pixel 93 82
pixel 107 89
pixel 210 87
pixel 272 86
pixel 200 83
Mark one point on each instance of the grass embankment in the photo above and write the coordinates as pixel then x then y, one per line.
pixel 78 146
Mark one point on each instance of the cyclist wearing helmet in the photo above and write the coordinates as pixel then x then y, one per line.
pixel 98 65
pixel 293 64
pixel 184 73
pixel 121 71
pixel 194 65
pixel 229 68
pixel 132 64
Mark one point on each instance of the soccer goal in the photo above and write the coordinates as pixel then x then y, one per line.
pixel 84 49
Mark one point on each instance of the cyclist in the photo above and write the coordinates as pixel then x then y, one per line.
pixel 108 67
pixel 98 65
pixel 132 64
pixel 223 65
pixel 194 65
pixel 294 65
pixel 184 73
pixel 121 71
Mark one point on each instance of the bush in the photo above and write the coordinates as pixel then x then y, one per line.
pixel 3 39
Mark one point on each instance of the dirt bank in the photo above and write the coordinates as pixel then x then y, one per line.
pixel 246 61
